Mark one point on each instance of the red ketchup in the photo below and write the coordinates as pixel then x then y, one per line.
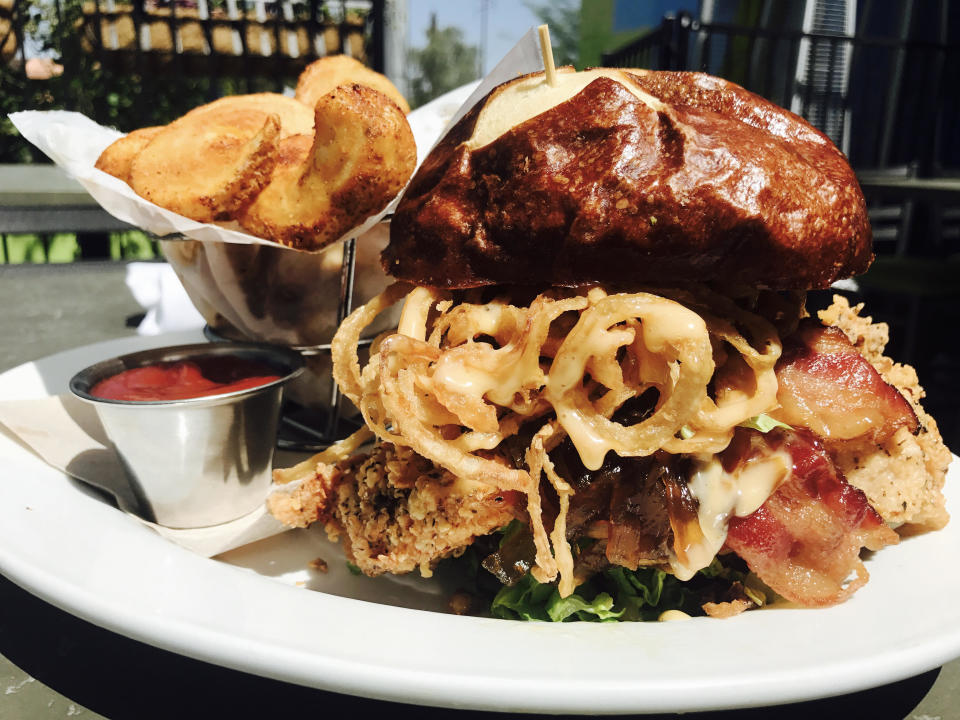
pixel 185 379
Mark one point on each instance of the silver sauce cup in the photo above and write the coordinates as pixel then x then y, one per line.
pixel 201 461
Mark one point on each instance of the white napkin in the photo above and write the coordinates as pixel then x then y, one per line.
pixel 159 291
pixel 66 434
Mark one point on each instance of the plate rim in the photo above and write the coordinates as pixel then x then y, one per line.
pixel 448 682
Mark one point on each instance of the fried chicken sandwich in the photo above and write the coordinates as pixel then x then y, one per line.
pixel 604 349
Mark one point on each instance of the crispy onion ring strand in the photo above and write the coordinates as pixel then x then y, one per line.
pixel 338 452
pixel 400 400
pixel 343 347
pixel 463 375
pixel 676 335
pixel 539 461
pixel 416 310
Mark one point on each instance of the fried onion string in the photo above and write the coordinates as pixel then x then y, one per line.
pixel 462 375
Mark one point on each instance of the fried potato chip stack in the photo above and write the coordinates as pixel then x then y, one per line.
pixel 322 76
pixel 118 157
pixel 301 171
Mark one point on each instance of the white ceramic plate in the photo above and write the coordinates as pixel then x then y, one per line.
pixel 380 638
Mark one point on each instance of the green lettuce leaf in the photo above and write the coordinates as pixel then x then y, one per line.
pixel 600 608
pixel 510 530
pixel 645 593
pixel 531 600
pixel 615 594
pixel 764 423
pixel 525 600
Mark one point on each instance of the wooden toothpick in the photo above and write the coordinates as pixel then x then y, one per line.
pixel 546 50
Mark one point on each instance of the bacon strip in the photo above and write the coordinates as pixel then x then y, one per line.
pixel 805 540
pixel 828 386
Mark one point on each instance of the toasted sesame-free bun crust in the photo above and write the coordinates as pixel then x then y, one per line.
pixel 634 177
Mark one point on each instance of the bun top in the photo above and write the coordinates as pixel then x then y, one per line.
pixel 630 177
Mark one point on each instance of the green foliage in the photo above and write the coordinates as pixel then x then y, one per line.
pixel 117 89
pixel 563 18
pixel 597 35
pixel 530 600
pixel 445 63
pixel 764 423
pixel 18 249
pixel 132 245
pixel 64 248
pixel 616 594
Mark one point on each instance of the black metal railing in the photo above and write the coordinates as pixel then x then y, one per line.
pixel 899 93
pixel 890 102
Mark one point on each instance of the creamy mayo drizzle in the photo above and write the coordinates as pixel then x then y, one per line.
pixel 669 346
pixel 665 325
pixel 491 373
pixel 416 308
pixel 723 495
pixel 498 374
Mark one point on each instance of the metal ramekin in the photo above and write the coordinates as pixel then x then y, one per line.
pixel 201 461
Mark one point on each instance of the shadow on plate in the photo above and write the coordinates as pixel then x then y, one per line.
pixel 295 558
pixel 123 679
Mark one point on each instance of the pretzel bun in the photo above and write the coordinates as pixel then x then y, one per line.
pixel 630 176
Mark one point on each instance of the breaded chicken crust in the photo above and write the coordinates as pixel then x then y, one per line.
pixel 394 510
pixel 117 158
pixel 324 184
pixel 904 477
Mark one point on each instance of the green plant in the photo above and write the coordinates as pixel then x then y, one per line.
pixel 64 247
pixel 444 63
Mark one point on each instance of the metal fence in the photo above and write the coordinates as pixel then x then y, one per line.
pixel 900 94
pixel 892 104
pixel 239 39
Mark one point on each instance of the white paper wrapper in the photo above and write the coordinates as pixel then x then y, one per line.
pixel 523 58
pixel 74 142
